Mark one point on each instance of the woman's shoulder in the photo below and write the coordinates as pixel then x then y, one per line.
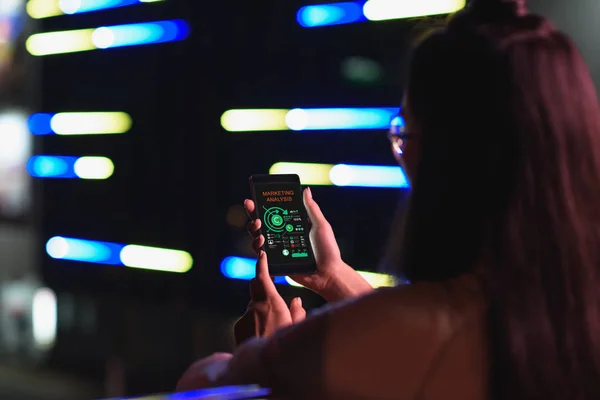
pixel 462 295
pixel 458 295
pixel 397 332
pixel 434 309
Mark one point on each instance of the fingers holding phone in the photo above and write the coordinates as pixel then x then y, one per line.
pixel 277 199
pixel 253 227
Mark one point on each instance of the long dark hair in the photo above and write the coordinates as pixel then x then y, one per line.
pixel 508 186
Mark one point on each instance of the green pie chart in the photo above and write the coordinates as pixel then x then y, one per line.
pixel 274 220
pixel 277 220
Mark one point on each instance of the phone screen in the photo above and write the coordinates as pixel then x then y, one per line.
pixel 285 226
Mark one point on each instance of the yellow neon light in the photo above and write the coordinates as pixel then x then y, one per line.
pixel 310 174
pixel 374 279
pixel 94 168
pixel 39 9
pixel 90 123
pixel 254 120
pixel 42 44
pixel 43 9
pixel 156 259
pixel 380 10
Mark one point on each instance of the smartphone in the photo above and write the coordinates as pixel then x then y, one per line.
pixel 279 206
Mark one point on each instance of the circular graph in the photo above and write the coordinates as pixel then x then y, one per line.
pixel 274 219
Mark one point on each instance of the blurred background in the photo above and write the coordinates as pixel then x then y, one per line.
pixel 128 130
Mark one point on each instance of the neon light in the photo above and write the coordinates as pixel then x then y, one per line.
pixel 376 280
pixel 224 392
pixel 89 251
pixel 140 34
pixel 397 121
pixel 43 166
pixel 62 42
pixel 40 124
pixel 308 119
pixel 132 256
pixel 51 167
pixel 331 14
pixel 107 37
pixel 244 269
pixel 156 259
pixel 376 176
pixel 80 123
pixel 254 120
pixel 374 10
pixel 381 10
pixel 93 168
pixel 310 174
pixel 372 176
pixel 38 9
pixel 323 119
pixel 43 8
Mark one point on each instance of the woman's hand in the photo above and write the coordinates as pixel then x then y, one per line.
pixel 334 280
pixel 267 311
pixel 204 373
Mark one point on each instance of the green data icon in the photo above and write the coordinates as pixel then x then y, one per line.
pixel 274 220
pixel 277 220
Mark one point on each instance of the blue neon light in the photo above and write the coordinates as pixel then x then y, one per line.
pixel 223 392
pixel 373 176
pixel 228 392
pixel 39 124
pixel 89 251
pixel 307 119
pixel 331 14
pixel 140 34
pixel 115 254
pixel 397 121
pixel 52 167
pixel 244 269
pixel 85 6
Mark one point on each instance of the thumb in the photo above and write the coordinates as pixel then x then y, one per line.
pixel 313 210
pixel 262 287
pixel 297 312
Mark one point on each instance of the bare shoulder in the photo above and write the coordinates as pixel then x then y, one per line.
pixel 394 333
pixel 420 305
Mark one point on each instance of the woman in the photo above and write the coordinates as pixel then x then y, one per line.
pixel 501 240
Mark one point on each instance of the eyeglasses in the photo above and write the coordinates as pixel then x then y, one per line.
pixel 397 134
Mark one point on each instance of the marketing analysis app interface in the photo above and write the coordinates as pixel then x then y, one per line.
pixel 284 222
